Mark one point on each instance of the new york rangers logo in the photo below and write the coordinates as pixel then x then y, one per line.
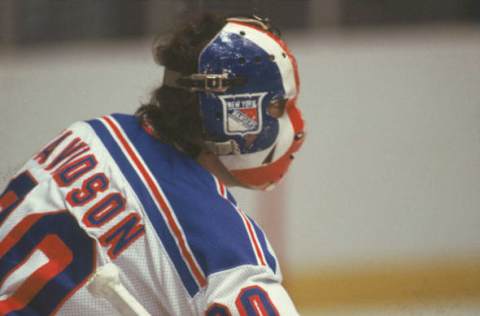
pixel 242 113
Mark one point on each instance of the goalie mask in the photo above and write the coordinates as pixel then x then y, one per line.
pixel 248 85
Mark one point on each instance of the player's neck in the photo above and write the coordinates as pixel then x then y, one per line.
pixel 211 162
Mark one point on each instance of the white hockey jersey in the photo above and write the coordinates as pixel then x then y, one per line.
pixel 106 191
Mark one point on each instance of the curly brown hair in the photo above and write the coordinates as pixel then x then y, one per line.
pixel 174 113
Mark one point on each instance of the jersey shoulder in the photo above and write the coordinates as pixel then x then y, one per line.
pixel 195 217
pixel 221 234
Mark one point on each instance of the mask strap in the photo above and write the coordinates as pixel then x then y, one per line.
pixel 217 83
pixel 230 147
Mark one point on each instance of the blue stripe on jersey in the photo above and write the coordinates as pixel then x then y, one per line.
pixel 150 208
pixel 213 228
pixel 271 261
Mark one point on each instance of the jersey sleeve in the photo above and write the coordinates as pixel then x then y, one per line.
pixel 243 274
pixel 247 291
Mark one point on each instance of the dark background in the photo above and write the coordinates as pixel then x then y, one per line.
pixel 31 22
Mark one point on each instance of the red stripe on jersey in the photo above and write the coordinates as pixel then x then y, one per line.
pixel 222 190
pixel 188 256
pixel 253 238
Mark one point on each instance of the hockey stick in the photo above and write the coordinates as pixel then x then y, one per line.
pixel 106 283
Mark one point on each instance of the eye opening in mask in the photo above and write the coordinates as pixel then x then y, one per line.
pixel 276 108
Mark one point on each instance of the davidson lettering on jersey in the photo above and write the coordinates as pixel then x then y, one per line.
pixel 99 203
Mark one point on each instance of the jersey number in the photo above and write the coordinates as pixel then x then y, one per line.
pixel 252 301
pixel 44 258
